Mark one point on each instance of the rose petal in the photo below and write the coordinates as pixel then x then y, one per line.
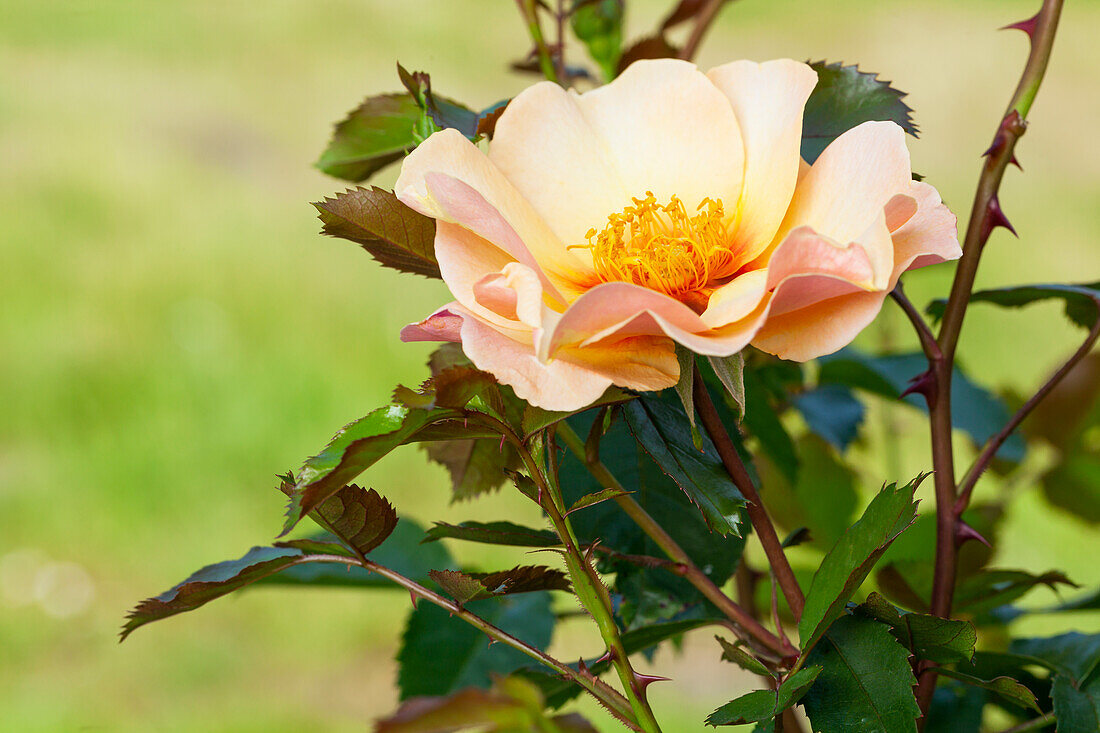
pixel 443 325
pixel 768 100
pixel 819 329
pixel 929 237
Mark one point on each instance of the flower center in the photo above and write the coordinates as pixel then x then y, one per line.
pixel 662 247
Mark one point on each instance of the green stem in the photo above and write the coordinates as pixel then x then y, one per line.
pixel 747 625
pixel 589 588
pixel 530 12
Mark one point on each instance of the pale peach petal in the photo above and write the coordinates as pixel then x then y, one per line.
pixel 620 310
pixel 668 130
pixel 929 237
pixel 575 379
pixel 736 299
pixel 443 325
pixel 768 100
pixel 449 179
pixel 819 329
pixel 465 259
pixel 550 153
pixel 514 293
pixel 851 182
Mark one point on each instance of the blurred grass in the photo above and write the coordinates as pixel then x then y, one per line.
pixel 173 331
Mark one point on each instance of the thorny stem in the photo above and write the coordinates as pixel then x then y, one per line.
pixel 985 215
pixel 588 587
pixel 758 515
pixel 615 702
pixel 529 10
pixel 746 624
pixel 703 21
pixel 966 486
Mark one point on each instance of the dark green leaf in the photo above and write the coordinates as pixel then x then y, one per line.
pixel 866 683
pixel 974 410
pixel 373 135
pixel 215 581
pixel 685 387
pixel 441 654
pixel 844 98
pixel 599 24
pixel 494 533
pixel 650 593
pixel 847 565
pixel 734 653
pixel 459 586
pixel 1005 687
pixel 1073 653
pixel 353 450
pixel 523 579
pixel 929 637
pixel 1076 704
pixel 444 113
pixel 387 229
pixel 664 432
pixel 1074 484
pixel 764 704
pixel 833 412
pixel 1082 301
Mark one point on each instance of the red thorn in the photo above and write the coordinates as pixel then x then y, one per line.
pixel 591 549
pixel 607 657
pixel 922 384
pixel 1013 161
pixel 645 680
pixel 501 444
pixel 1027 26
pixel 414 597
pixel 964 532
pixel 492 641
pixel 995 217
pixel 582 666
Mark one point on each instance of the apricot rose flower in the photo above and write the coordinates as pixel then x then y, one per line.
pixel 668 206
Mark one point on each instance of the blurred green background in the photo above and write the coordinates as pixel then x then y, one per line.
pixel 173 330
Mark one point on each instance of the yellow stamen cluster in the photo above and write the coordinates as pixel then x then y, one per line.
pixel 662 246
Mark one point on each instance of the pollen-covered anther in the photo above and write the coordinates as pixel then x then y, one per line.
pixel 663 247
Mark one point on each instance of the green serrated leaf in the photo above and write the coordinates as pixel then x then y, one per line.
pixel 441 654
pixel 844 98
pixel 685 387
pixel 730 371
pixel 391 232
pixel 736 654
pixel 850 561
pixel 215 581
pixel 1082 301
pixel 936 639
pixel 865 684
pixel 354 449
pixel 476 467
pixel 663 431
pixel 1074 654
pixel 599 25
pixel 376 133
pixel 494 533
pixel 361 518
pixel 512 704
pixel 595 498
pixel 1076 704
pixel 992 588
pixel 762 422
pixel 765 704
pixel 955 708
